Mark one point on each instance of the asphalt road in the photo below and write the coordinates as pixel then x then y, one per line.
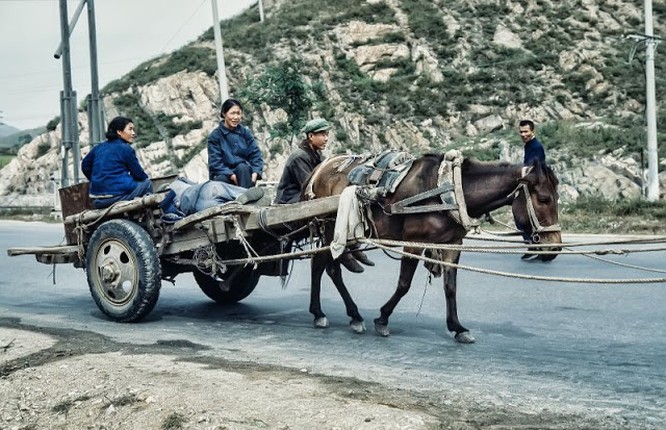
pixel 573 348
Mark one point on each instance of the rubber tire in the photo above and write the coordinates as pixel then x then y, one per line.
pixel 242 285
pixel 126 250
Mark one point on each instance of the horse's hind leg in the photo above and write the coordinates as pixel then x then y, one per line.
pixel 462 335
pixel 407 269
pixel 356 323
pixel 317 266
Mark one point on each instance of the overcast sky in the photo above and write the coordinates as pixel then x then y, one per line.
pixel 128 33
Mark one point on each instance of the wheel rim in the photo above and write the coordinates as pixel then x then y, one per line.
pixel 116 272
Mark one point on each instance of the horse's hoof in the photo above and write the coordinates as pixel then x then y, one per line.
pixel 382 329
pixel 357 326
pixel 464 337
pixel 321 322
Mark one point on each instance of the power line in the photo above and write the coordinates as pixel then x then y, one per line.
pixel 182 26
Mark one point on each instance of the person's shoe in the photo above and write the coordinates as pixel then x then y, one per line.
pixel 350 263
pixel 529 256
pixel 363 258
pixel 170 218
pixel 251 195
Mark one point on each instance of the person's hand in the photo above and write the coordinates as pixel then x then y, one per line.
pixel 233 179
pixel 254 178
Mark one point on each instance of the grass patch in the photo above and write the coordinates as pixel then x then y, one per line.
pixel 174 421
pixel 124 400
pixel 64 406
pixel 597 214
pixel 5 159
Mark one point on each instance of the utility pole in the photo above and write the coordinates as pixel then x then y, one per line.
pixel 68 105
pixel 221 70
pixel 68 119
pixel 261 11
pixel 650 109
pixel 95 109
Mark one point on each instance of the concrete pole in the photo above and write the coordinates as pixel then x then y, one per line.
pixel 261 11
pixel 64 139
pixel 650 108
pixel 72 23
pixel 221 69
pixel 69 123
pixel 95 109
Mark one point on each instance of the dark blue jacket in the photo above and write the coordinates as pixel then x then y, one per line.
pixel 112 169
pixel 534 151
pixel 229 148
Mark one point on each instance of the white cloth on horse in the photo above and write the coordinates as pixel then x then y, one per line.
pixel 192 197
pixel 349 221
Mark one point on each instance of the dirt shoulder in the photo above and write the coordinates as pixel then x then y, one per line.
pixel 67 379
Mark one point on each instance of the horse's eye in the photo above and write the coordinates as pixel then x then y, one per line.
pixel 543 199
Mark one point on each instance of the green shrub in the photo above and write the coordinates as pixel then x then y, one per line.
pixel 43 148
pixel 51 125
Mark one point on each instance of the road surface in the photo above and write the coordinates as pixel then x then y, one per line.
pixel 590 354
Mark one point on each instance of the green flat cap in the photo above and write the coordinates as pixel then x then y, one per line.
pixel 315 125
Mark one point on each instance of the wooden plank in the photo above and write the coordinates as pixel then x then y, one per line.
pixel 121 207
pixel 54 250
pixel 280 214
pixel 197 228
pixel 49 254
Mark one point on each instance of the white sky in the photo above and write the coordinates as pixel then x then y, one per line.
pixel 128 33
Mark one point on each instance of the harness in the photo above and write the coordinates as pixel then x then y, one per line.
pixel 450 191
pixel 531 212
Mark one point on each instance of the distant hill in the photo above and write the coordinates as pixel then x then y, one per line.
pixel 6 130
pixel 10 143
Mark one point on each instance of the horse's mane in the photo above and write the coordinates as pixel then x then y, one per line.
pixel 473 165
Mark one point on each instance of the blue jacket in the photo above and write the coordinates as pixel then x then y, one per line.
pixel 534 151
pixel 112 169
pixel 229 148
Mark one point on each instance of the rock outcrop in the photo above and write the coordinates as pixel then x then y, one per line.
pixel 419 74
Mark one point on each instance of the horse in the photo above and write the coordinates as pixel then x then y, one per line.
pixel 486 186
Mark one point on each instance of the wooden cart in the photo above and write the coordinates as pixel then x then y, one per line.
pixel 127 250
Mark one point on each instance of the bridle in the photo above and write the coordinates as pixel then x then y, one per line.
pixel 531 212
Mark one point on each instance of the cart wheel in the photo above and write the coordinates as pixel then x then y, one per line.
pixel 236 285
pixel 123 270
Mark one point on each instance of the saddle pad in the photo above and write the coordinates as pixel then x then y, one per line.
pixel 385 171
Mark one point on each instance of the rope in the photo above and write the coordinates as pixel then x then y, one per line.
pixel 240 236
pixel 261 259
pixel 507 249
pixel 517 275
pixel 629 266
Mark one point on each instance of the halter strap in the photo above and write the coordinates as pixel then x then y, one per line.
pixel 531 212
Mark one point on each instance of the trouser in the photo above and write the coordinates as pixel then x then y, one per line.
pixel 142 188
pixel 243 174
pixel 526 236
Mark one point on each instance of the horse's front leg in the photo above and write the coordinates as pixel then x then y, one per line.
pixel 407 269
pixel 334 271
pixel 318 264
pixel 462 335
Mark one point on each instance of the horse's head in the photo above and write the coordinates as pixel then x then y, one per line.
pixel 535 208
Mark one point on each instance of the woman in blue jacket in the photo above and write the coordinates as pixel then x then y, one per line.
pixel 233 154
pixel 114 171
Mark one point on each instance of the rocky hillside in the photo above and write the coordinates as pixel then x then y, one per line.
pixel 421 75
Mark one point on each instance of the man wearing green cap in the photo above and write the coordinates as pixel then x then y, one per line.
pixel 302 161
pixel 299 165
